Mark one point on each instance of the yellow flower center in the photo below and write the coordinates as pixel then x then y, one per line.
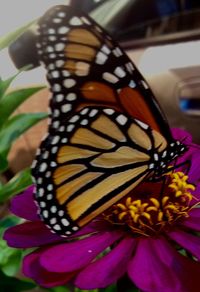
pixel 150 215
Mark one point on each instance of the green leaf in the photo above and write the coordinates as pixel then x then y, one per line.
pixel 11 101
pixel 16 185
pixel 7 222
pixel 112 288
pixel 12 266
pixel 8 39
pixel 4 85
pixel 15 127
pixel 60 289
pixel 13 284
pixel 10 258
pixel 3 163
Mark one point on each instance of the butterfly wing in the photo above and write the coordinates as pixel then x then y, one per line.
pixel 85 66
pixel 87 166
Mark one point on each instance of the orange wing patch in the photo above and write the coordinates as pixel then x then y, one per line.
pixel 64 192
pixel 79 205
pixel 104 125
pixel 86 137
pixel 83 36
pixel 68 153
pixel 96 91
pixel 134 103
pixel 63 173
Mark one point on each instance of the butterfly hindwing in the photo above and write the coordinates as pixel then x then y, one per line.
pixel 90 164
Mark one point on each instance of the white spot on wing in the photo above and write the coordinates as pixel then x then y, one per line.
pixel 61 213
pixel 53 209
pixel 68 83
pixel 59 97
pixel 51 66
pixel 63 30
pixel 65 222
pixel 64 140
pixel 76 21
pixel 62 14
pixel 74 119
pixel 59 63
pixel 66 108
pixel 56 87
pixel 43 167
pixel 110 77
pixel 55 74
pixel 120 72
pixel 65 73
pixel 71 97
pixel 151 166
pixel 52 38
pixel 51 31
pixel 84 111
pixel 70 128
pixel 141 124
pixel 101 58
pixel 59 47
pixel 132 84
pixel 84 122
pixel 57 227
pixel 49 49
pixel 117 52
pixel 155 156
pixel 144 84
pixel 53 221
pixel 57 20
pixel 85 20
pixel 45 214
pixel 55 140
pixel 109 111
pixel 121 119
pixel 93 113
pixel 106 50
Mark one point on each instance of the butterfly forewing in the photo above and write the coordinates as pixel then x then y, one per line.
pixel 86 66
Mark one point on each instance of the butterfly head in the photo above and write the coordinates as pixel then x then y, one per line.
pixel 161 161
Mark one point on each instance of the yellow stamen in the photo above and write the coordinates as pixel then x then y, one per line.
pixel 151 215
pixel 155 202
pixel 164 200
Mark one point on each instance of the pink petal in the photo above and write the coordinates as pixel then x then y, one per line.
pixel 149 271
pixel 193 221
pixel 30 234
pixel 23 205
pixel 68 257
pixel 33 270
pixel 108 269
pixel 181 135
pixel 188 241
pixel 157 267
pixel 92 227
pixel 194 169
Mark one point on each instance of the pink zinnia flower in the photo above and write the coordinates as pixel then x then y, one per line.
pixel 151 235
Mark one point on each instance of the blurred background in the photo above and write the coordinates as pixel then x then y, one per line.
pixel 162 37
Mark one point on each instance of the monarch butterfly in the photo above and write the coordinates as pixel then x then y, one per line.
pixel 106 132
